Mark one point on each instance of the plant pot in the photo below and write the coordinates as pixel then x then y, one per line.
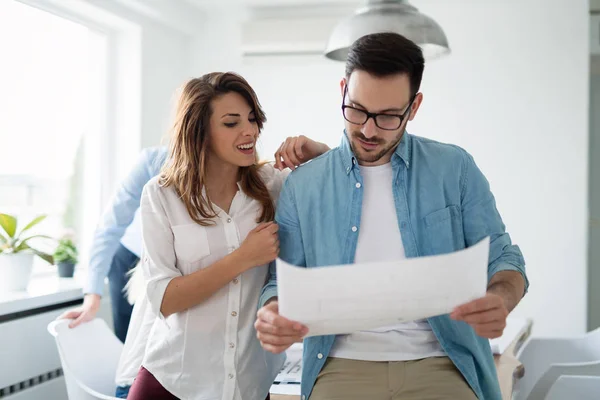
pixel 66 269
pixel 15 271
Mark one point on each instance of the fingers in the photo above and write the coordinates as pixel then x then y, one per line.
pixel 280 156
pixel 284 336
pixel 276 340
pixel 489 331
pixel 276 333
pixel 78 320
pixel 298 145
pixel 488 302
pixel 289 154
pixel 496 314
pixel 288 332
pixel 487 315
pixel 278 164
pixel 273 228
pixel 71 314
pixel 269 314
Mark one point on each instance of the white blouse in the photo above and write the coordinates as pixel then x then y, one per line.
pixel 209 351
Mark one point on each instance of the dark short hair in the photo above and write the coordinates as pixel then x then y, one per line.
pixel 384 54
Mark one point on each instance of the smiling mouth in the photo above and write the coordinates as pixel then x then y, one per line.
pixel 246 148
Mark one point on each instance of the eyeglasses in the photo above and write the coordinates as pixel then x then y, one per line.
pixel 385 121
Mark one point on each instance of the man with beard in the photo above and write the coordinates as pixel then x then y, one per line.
pixel 383 195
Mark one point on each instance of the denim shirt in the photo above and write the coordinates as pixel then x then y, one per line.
pixel 443 204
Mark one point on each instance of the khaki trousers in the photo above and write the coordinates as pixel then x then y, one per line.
pixel 433 378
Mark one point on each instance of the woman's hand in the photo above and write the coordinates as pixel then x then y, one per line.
pixel 261 246
pixel 297 150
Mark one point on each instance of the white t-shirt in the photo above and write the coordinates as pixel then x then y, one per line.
pixel 210 350
pixel 379 239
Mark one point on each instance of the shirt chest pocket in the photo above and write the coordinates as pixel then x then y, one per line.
pixel 444 231
pixel 191 243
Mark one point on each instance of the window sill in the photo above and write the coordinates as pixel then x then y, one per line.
pixel 45 289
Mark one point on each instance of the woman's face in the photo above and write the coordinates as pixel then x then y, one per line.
pixel 233 130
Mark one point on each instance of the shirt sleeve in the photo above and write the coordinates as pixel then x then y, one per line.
pixel 159 263
pixel 117 217
pixel 291 248
pixel 481 219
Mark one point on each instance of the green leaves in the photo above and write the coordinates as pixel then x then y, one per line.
pixel 23 243
pixel 66 252
pixel 44 256
pixel 9 224
pixel 12 242
pixel 33 223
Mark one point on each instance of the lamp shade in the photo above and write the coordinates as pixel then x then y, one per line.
pixel 388 16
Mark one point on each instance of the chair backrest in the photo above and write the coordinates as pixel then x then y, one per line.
pixel 89 355
pixel 538 355
pixel 575 387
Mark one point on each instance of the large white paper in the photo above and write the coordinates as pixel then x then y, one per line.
pixel 348 298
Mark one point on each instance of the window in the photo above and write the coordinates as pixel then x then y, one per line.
pixel 52 108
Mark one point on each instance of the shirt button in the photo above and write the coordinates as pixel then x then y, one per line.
pixel 233 314
pixel 403 225
pixel 354 229
pixel 235 281
pixel 230 376
pixel 228 220
pixel 231 345
pixel 358 185
pixel 319 356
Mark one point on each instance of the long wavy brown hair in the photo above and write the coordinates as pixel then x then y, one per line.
pixel 185 169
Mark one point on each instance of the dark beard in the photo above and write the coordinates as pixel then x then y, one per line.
pixel 367 157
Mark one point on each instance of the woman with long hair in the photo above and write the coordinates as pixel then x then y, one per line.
pixel 209 235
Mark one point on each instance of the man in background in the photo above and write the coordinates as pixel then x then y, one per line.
pixel 117 245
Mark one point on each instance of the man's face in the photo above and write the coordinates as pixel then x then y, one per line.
pixel 391 96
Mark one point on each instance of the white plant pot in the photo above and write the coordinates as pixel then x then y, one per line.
pixel 15 271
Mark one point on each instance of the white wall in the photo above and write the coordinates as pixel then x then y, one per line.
pixel 165 65
pixel 514 93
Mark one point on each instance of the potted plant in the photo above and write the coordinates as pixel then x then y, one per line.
pixel 65 257
pixel 16 254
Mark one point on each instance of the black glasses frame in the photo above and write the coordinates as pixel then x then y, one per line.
pixel 368 114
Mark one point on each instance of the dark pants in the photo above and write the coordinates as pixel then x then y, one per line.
pixel 146 387
pixel 123 261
